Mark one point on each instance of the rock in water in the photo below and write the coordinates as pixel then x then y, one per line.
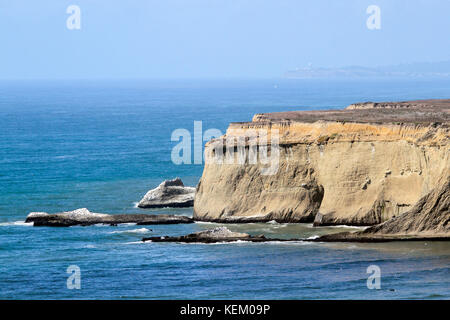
pixel 170 193
pixel 219 234
pixel 84 217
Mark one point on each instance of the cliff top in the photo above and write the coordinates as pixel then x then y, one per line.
pixel 416 111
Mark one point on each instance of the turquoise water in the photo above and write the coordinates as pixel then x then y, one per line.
pixel 102 145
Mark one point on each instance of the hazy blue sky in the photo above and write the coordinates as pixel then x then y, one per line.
pixel 214 38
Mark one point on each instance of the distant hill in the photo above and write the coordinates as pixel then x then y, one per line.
pixel 427 70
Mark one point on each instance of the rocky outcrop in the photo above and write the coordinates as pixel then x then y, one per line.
pixel 84 217
pixel 416 104
pixel 170 193
pixel 219 234
pixel 357 166
pixel 429 219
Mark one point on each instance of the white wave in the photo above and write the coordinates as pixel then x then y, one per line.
pixel 136 242
pixel 135 204
pixel 313 237
pixel 17 223
pixel 280 226
pixel 230 242
pixel 196 243
pixel 142 230
pixel 214 243
pixel 65 156
pixel 310 225
pixel 298 242
pixel 345 226
pixel 205 222
pixel 287 243
pixel 277 225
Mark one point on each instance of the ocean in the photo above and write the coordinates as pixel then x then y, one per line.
pixel 103 144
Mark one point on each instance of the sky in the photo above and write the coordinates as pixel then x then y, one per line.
pixel 214 38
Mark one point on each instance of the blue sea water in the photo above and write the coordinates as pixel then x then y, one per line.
pixel 103 144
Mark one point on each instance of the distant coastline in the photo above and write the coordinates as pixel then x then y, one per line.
pixel 424 70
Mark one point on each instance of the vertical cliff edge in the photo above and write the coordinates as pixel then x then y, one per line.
pixel 362 165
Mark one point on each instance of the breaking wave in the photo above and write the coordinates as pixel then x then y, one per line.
pixel 142 230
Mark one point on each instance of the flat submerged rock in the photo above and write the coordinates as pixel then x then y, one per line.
pixel 84 217
pixel 219 234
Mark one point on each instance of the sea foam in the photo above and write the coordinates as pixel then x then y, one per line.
pixel 17 223
pixel 142 230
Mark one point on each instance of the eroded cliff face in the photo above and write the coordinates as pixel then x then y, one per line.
pixel 429 216
pixel 429 219
pixel 356 172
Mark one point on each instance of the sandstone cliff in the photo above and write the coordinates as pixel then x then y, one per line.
pixel 428 219
pixel 358 166
pixel 429 216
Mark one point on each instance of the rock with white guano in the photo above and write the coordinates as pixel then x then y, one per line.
pixel 84 217
pixel 170 193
